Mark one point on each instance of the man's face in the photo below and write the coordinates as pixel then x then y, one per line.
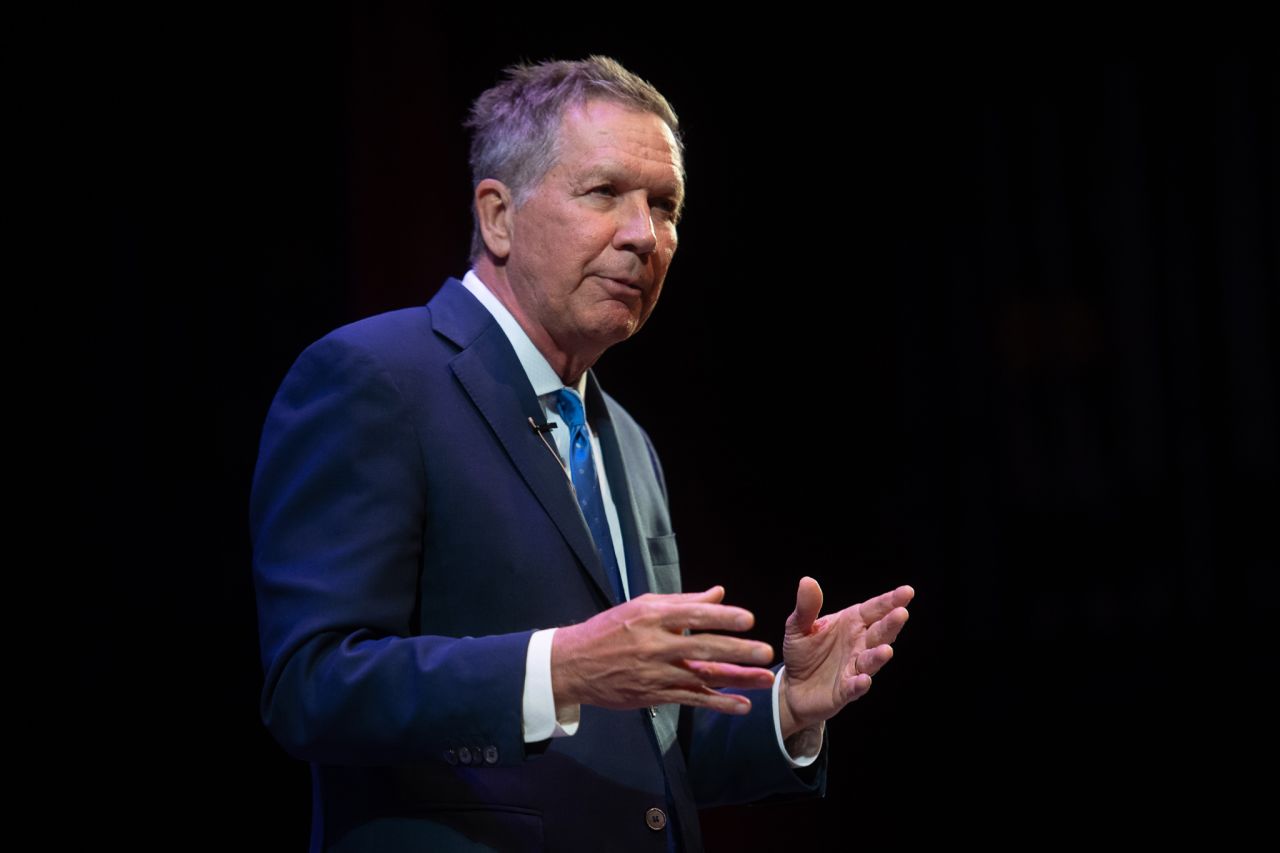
pixel 591 245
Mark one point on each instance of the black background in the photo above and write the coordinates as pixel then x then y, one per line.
pixel 996 322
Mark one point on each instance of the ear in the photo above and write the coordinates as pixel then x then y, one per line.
pixel 494 209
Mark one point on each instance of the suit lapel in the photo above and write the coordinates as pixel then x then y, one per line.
pixel 640 577
pixel 493 378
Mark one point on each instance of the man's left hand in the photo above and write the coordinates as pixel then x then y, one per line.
pixel 830 660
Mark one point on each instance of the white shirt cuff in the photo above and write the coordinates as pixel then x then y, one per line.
pixel 541 719
pixel 803 760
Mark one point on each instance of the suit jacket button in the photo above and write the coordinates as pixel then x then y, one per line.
pixel 490 755
pixel 464 755
pixel 450 756
pixel 656 818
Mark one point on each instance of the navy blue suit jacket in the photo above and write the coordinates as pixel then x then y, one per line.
pixel 410 532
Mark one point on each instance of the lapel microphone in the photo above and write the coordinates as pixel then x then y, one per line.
pixel 542 429
pixel 541 432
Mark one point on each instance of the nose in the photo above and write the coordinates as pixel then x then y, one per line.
pixel 635 230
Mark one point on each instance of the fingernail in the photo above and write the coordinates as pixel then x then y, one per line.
pixel 764 655
pixel 743 622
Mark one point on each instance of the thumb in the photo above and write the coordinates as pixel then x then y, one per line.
pixel 808 605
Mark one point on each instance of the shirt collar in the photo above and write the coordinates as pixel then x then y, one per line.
pixel 541 375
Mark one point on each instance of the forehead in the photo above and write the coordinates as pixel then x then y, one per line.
pixel 602 135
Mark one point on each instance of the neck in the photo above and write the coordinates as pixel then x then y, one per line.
pixel 568 364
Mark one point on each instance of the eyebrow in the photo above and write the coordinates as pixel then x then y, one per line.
pixel 614 172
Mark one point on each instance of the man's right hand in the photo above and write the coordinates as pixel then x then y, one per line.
pixel 636 655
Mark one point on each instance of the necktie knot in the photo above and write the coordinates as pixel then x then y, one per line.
pixel 570 408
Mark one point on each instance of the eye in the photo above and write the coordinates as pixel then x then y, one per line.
pixel 667 206
pixel 606 190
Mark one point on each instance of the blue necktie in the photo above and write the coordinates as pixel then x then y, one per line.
pixel 582 470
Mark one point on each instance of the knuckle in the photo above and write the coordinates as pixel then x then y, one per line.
pixel 651 648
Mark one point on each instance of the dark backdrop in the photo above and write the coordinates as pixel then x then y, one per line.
pixel 997 323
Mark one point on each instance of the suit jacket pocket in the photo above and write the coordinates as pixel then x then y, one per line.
pixel 665 563
pixel 662 550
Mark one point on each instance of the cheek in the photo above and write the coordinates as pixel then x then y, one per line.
pixel 667 248
pixel 662 263
pixel 572 252
pixel 653 299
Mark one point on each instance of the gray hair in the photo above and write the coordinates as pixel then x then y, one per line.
pixel 516 124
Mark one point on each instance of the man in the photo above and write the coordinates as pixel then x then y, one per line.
pixel 468 586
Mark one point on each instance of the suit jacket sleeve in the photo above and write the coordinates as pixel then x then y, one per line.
pixel 337 517
pixel 737 760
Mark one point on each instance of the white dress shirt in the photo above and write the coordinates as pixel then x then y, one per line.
pixel 541 717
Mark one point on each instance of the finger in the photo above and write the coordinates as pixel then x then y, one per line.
pixel 725 703
pixel 870 661
pixel 855 688
pixel 716 674
pixel 875 609
pixel 714 594
pixel 714 647
pixel 808 605
pixel 886 630
pixel 705 617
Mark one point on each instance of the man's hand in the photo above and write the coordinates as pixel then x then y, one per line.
pixel 636 655
pixel 830 661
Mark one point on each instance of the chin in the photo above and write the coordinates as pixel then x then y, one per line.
pixel 607 338
pixel 617 329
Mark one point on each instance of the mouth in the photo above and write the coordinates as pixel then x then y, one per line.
pixel 624 286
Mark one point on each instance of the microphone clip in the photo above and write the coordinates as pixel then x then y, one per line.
pixel 541 429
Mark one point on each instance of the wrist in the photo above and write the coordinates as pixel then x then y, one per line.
pixel 789 722
pixel 802 746
pixel 565 686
